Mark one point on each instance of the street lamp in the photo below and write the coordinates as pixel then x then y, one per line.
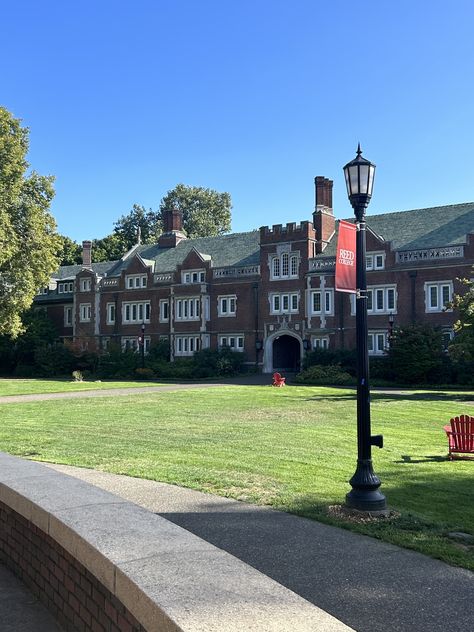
pixel 142 340
pixel 391 320
pixel 365 494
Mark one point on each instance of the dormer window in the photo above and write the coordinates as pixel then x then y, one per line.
pixel 85 285
pixel 193 276
pixel 66 288
pixel 135 281
pixel 375 261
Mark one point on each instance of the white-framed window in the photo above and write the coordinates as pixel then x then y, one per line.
pixel 284 266
pixel 321 342
pixel 68 316
pixel 136 312
pixel 235 342
pixel 85 285
pixel 135 281
pixel 380 300
pixel 437 295
pixel 322 302
pixel 375 261
pixel 187 309
pixel 132 343
pixel 186 345
pixel 43 290
pixel 164 311
pixel 85 312
pixel 284 303
pixel 377 342
pixel 111 310
pixel 193 276
pixel 66 287
pixel 227 305
pixel 448 335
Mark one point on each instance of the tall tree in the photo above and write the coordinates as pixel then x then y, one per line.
pixel 139 219
pixel 28 237
pixel 462 347
pixel 206 213
pixel 70 252
pixel 109 248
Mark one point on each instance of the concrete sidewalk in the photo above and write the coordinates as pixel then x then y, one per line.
pixel 369 585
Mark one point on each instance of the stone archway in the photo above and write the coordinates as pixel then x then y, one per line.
pixel 283 352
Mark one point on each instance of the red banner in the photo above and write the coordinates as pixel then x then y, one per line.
pixel 346 258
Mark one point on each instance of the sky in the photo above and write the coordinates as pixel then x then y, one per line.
pixel 126 99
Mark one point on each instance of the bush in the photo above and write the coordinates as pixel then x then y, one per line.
pixel 222 362
pixel 117 363
pixel 331 375
pixel 417 357
pixel 144 374
pixel 53 360
pixel 78 377
pixel 345 358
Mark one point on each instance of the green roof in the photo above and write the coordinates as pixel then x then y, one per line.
pixel 66 272
pixel 420 228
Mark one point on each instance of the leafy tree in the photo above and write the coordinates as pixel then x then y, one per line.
pixel 27 230
pixel 127 226
pixel 416 355
pixel 206 213
pixel 70 252
pixel 108 248
pixel 461 349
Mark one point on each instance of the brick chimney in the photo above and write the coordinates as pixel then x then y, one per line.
pixel 323 216
pixel 87 254
pixel 172 229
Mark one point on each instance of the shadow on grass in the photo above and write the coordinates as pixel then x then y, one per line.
pixel 376 396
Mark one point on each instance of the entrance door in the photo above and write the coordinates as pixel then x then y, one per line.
pixel 286 354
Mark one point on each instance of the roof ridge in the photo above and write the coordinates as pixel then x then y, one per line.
pixel 425 208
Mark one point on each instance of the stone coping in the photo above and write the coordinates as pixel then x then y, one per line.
pixel 169 579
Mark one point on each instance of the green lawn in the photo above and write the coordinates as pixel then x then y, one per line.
pixel 292 448
pixel 19 386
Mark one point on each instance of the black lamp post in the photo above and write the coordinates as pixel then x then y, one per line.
pixel 391 320
pixel 365 494
pixel 142 340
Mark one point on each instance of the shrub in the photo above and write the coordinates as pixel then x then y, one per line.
pixel 55 359
pixel 222 362
pixel 345 358
pixel 144 374
pixel 78 377
pixel 417 357
pixel 325 375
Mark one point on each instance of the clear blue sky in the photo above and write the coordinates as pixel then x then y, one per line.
pixel 126 99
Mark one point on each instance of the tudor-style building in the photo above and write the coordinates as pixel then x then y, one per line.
pixel 267 293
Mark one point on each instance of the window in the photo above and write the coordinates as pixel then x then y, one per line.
pixel 380 300
pixel 43 290
pixel 321 343
pixel 235 342
pixel 135 281
pixel 110 313
pixel 317 298
pixel 68 316
pixel 284 303
pixel 68 287
pixel 186 345
pixel 284 266
pixel 85 312
pixel 377 342
pixel 226 305
pixel 375 261
pixel 136 312
pixel 437 295
pixel 164 311
pixel 188 309
pixel 85 285
pixel 193 276
pixel 448 335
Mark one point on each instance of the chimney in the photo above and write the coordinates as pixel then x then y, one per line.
pixel 172 228
pixel 323 217
pixel 87 254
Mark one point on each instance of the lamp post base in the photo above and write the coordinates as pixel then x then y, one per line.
pixel 365 494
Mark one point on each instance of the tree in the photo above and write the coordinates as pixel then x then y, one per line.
pixel 109 248
pixel 70 252
pixel 461 349
pixel 28 237
pixel 416 354
pixel 206 213
pixel 127 226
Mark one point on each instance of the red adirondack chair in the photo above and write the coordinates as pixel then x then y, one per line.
pixel 278 380
pixel 461 437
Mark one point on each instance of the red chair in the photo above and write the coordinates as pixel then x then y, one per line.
pixel 278 380
pixel 461 437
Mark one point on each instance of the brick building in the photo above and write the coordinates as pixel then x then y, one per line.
pixel 268 293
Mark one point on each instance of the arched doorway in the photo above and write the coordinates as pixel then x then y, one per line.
pixel 286 353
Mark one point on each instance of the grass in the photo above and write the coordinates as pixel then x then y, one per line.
pixel 18 386
pixel 292 448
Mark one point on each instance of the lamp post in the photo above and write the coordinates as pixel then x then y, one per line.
pixel 365 494
pixel 391 320
pixel 142 341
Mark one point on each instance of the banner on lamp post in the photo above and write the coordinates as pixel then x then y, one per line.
pixel 346 258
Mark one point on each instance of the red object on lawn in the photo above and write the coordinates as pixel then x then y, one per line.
pixel 461 436
pixel 278 380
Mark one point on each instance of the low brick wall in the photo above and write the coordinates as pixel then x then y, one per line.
pixel 101 563
pixel 71 593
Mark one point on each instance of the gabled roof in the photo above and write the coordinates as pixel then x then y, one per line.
pixel 69 272
pixel 420 228
pixel 236 249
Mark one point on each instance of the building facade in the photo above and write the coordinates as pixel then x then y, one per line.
pixel 268 293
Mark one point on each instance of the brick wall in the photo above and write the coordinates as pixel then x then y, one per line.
pixel 71 593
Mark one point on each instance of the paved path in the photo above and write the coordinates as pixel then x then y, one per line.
pixel 369 585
